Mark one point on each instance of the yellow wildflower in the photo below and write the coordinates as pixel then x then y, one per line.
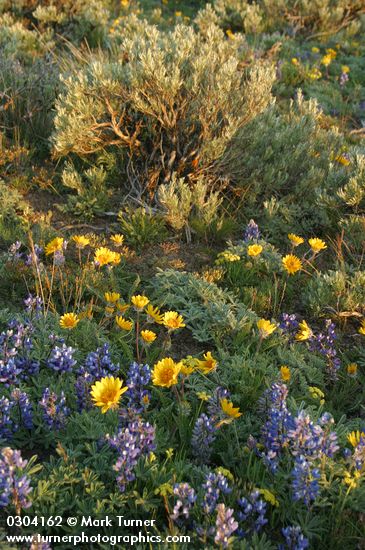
pixel 117 239
pixel 304 333
pixel 172 320
pixel 362 328
pixel 354 437
pixel 317 245
pixel 265 327
pixel 148 336
pixel 122 307
pixel 229 410
pixel 154 314
pixel 104 256
pixel 69 321
pixel 107 392
pixel 228 257
pixel 315 49
pixel 345 69
pixel 54 246
pixel 165 373
pixel 352 369
pixel 295 61
pixel 332 53
pixel 326 60
pixel 208 364
pixel 112 297
pixel 124 324
pixel 109 310
pixel 315 74
pixel 292 264
pixel 269 496
pixel 295 239
pixel 230 34
pixel 186 369
pixel 254 250
pixel 352 480
pixel 203 396
pixel 80 241
pixel 342 159
pixel 285 373
pixel 169 453
pixel 316 393
pixel 139 302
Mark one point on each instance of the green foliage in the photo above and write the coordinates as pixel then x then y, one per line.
pixel 14 216
pixel 141 227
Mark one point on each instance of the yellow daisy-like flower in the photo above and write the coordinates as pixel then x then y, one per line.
pixel 230 34
pixel 228 408
pixel 304 333
pixel 148 336
pixel 315 49
pixel 54 246
pixel 362 328
pixel 117 239
pixel 342 159
pixel 69 321
pixel 165 373
pixel 254 250
pixel 106 393
pixel 154 315
pixel 124 324
pixel 295 61
pixel 80 241
pixel 122 307
pixel 117 258
pixel 208 364
pixel 331 52
pixel 109 310
pixel 104 256
pixel 315 74
pixel 265 327
pixel 352 369
pixel 139 302
pixel 203 396
pixel 295 239
pixel 269 496
pixel 292 264
pixel 354 437
pixel 285 373
pixel 112 297
pixel 345 69
pixel 326 60
pixel 317 244
pixel 172 320
pixel 186 369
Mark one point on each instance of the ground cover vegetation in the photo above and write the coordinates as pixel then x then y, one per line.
pixel 182 297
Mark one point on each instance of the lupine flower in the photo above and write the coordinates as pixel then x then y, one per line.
pixel 165 373
pixel 15 348
pixel 254 250
pixel 292 264
pixel 289 325
pixel 252 232
pixel 305 480
pixel 33 304
pixel 186 498
pixel 251 514
pixel 25 408
pixel 14 483
pixel 172 320
pixel 107 392
pixel 225 526
pixel 294 539
pixel 131 443
pixel 33 258
pixel 214 485
pixel 324 344
pixel 61 359
pixel 69 321
pixel 138 378
pixel 54 409
pixel 208 364
pixel 7 426
pixel 204 434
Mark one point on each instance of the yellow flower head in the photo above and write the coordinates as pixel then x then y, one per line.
pixel 295 239
pixel 316 393
pixel 109 310
pixel 352 480
pixel 292 264
pixel 230 34
pixel 186 369
pixel 315 49
pixel 139 302
pixel 345 69
pixel 229 410
pixel 122 307
pixel 154 315
pixel 352 369
pixel 203 396
pixel 254 250
pixel 295 61
pixel 124 324
pixel 165 373
pixel 342 159
pixel 332 53
pixel 172 320
pixel 362 328
pixel 117 239
pixel 106 393
pixel 105 256
pixel 355 437
pixel 80 241
pixel 315 74
pixel 265 327
pixel 208 364
pixel 148 336
pixel 326 60
pixel 269 496
pixel 304 333
pixel 54 246
pixel 285 373
pixel 111 297
pixel 69 321
pixel 317 245
pixel 228 257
